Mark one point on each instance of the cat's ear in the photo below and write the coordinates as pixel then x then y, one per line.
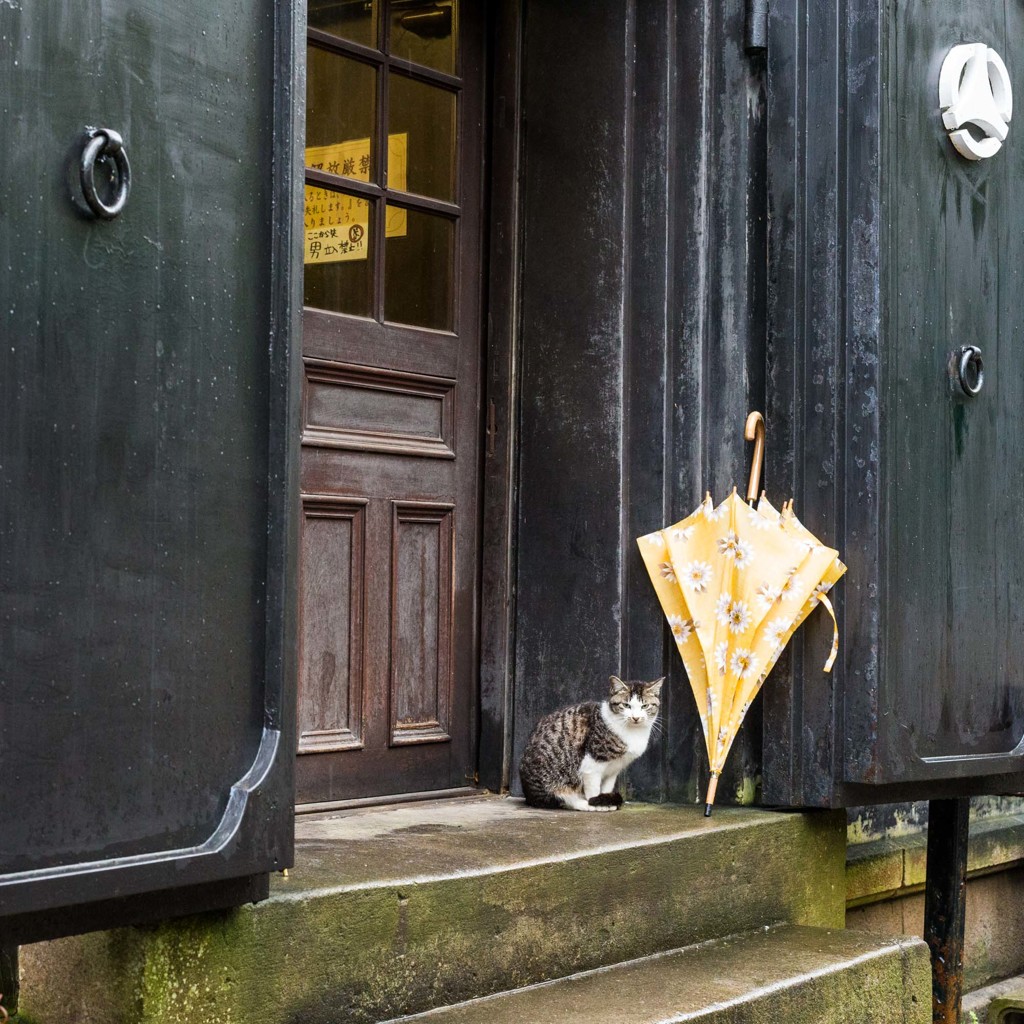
pixel 618 686
pixel 654 689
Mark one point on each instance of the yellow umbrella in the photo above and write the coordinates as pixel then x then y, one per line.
pixel 735 583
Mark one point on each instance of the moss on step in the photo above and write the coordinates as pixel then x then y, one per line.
pixel 391 945
pixel 791 975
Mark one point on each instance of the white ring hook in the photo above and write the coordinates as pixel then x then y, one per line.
pixel 975 90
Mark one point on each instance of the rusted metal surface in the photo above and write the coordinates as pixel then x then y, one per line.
pixel 945 901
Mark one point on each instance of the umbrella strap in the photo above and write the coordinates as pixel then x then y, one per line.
pixel 835 632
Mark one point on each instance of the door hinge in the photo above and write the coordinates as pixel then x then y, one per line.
pixel 756 38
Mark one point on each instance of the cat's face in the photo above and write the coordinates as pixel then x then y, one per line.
pixel 636 703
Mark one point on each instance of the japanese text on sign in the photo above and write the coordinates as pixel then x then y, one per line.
pixel 337 225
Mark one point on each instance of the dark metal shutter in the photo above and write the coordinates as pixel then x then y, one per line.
pixel 147 484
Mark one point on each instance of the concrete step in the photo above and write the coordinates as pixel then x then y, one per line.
pixel 999 1003
pixel 396 910
pixel 784 975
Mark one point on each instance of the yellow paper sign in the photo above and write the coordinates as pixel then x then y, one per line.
pixel 337 224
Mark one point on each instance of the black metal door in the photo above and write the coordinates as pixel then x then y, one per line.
pixel 892 255
pixel 953 684
pixel 146 471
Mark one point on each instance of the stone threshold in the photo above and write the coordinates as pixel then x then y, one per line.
pixel 888 868
pixel 384 846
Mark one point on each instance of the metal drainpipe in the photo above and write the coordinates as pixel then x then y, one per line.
pixel 945 900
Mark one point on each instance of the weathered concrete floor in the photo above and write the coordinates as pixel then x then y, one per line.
pixel 792 975
pixel 421 842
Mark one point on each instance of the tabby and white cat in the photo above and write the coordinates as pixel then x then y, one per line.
pixel 575 755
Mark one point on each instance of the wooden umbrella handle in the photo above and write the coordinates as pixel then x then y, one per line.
pixel 755 431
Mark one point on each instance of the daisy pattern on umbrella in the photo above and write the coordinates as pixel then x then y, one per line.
pixel 791 588
pixel 712 514
pixel 758 520
pixel 722 657
pixel 776 633
pixel 729 544
pixel 723 738
pixel 738 619
pixel 682 629
pixel 744 554
pixel 742 663
pixel 697 576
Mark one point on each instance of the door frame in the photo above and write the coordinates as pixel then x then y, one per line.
pixel 500 394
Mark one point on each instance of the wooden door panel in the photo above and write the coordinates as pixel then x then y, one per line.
pixel 341 339
pixel 368 475
pixel 331 659
pixel 374 409
pixel 421 606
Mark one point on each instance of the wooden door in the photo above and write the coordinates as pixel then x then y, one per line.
pixel 391 420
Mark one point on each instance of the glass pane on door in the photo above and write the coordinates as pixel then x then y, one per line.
pixel 425 32
pixel 349 19
pixel 340 112
pixel 418 263
pixel 338 252
pixel 424 117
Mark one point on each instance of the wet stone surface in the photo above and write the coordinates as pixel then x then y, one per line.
pixel 397 910
pixel 431 840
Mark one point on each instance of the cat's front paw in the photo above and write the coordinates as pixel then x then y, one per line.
pixel 613 801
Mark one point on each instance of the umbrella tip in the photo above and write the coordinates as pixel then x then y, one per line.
pixel 709 797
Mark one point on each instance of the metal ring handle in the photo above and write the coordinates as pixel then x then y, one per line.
pixel 970 370
pixel 104 142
